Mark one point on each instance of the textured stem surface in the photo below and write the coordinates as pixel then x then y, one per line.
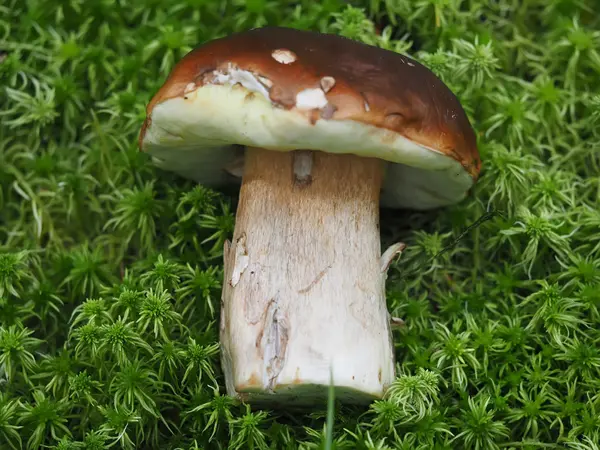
pixel 304 286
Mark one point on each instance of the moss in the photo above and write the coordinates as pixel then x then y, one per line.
pixel 110 270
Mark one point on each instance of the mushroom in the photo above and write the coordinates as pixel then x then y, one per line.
pixel 319 131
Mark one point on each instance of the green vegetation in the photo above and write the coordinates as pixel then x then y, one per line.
pixel 110 270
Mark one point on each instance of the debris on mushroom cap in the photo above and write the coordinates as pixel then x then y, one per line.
pixel 189 88
pixel 327 83
pixel 265 81
pixel 283 56
pixel 327 111
pixel 321 92
pixel 311 99
pixel 232 75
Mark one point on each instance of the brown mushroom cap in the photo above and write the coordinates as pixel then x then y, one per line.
pixel 286 89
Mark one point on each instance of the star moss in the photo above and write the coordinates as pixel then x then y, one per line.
pixel 110 270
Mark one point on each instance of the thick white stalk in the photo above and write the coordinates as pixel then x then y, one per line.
pixel 304 286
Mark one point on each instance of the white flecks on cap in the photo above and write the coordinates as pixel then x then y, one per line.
pixel 189 88
pixel 265 81
pixel 311 99
pixel 327 83
pixel 284 56
pixel 411 64
pixel 233 75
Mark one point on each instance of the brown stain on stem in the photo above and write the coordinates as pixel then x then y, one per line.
pixel 318 278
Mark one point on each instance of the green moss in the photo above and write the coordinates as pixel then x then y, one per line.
pixel 110 270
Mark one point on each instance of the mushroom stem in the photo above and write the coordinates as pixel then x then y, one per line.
pixel 304 290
